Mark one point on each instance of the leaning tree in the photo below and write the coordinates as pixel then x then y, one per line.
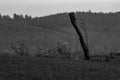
pixel 82 41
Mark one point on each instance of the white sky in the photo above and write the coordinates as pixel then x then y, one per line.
pixel 46 7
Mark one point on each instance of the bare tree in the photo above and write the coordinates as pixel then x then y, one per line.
pixel 83 44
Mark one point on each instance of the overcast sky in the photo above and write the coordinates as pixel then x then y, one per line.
pixel 46 7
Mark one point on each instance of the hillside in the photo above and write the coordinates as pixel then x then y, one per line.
pixel 103 30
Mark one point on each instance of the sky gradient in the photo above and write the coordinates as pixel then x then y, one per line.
pixel 46 7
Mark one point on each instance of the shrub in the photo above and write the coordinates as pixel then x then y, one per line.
pixel 60 50
pixel 64 50
pixel 20 48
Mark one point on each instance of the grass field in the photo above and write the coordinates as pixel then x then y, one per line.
pixel 45 68
pixel 39 57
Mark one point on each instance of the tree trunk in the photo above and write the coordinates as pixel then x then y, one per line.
pixel 84 46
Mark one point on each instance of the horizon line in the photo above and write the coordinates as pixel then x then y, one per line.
pixel 89 11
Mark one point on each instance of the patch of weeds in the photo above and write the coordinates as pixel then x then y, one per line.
pixel 20 48
pixel 64 50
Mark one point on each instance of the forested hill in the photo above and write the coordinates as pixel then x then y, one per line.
pixel 57 28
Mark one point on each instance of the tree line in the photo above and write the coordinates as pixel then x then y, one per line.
pixel 62 20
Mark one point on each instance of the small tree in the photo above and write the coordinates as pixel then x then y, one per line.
pixel 28 17
pixel 6 17
pixel 15 17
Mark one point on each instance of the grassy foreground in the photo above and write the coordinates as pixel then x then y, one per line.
pixel 45 68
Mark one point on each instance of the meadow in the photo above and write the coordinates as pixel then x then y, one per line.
pixel 57 64
pixel 24 67
pixel 48 48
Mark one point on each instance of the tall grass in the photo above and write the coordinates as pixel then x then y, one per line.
pixel 62 50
